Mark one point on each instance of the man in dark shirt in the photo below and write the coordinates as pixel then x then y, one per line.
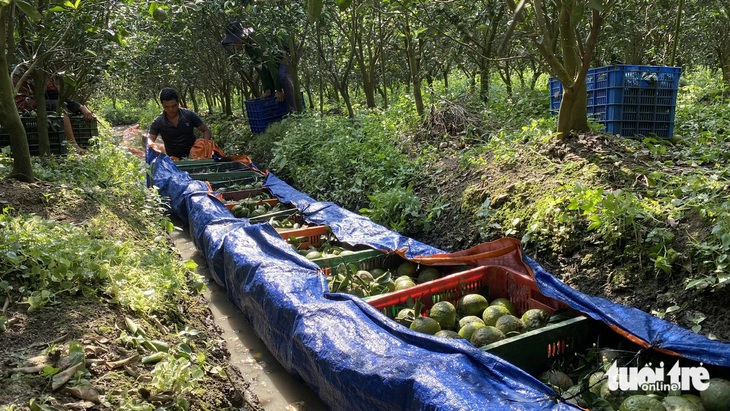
pixel 176 126
pixel 270 61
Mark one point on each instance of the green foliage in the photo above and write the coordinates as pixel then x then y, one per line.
pixel 397 208
pixel 45 259
pixel 610 213
pixel 229 134
pixel 176 375
pixel 128 112
pixel 340 159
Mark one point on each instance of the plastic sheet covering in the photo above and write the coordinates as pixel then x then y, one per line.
pixel 286 193
pixel 353 356
pixel 208 228
pixel 347 226
pixel 176 185
pixel 650 330
pixel 635 324
pixel 212 212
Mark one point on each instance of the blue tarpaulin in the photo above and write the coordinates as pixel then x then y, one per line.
pixel 351 354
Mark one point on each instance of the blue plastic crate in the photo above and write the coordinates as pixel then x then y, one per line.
pixel 629 100
pixel 262 112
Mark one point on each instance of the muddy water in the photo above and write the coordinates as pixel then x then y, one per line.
pixel 276 389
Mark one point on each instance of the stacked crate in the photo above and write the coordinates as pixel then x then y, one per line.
pixel 56 135
pixel 84 130
pixel 629 100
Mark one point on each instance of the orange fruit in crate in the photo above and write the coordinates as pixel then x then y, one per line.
pixel 641 403
pixel 425 325
pixel 717 395
pixel 472 304
pixel 444 313
pixel 535 318
pixel 485 336
pixel 693 399
pixel 402 285
pixel 510 324
pixel 377 272
pixel 448 334
pixel 469 319
pixel 405 317
pixel 407 268
pixel 469 328
pixel 573 396
pixel 595 381
pixel 492 313
pixel 557 378
pixel 428 274
pixel 676 403
pixel 615 398
pixel 506 304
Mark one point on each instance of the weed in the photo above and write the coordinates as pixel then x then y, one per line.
pixel 398 209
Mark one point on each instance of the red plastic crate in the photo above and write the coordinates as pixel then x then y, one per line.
pixel 309 236
pixel 495 282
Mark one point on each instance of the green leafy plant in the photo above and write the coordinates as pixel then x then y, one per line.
pixel 663 313
pixel 177 375
pixel 697 319
pixel 397 208
pixel 341 160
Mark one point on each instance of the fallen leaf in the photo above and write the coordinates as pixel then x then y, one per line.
pixel 121 363
pixel 62 378
pixel 84 392
pixel 35 364
pixel 92 350
pixel 81 405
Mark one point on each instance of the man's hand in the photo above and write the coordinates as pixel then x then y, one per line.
pixel 88 115
pixel 280 97
pixel 267 93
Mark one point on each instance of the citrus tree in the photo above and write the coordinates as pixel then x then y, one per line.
pixel 40 40
pixel 478 27
pixel 565 33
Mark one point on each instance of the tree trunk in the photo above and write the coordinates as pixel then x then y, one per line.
pixel 346 96
pixel 573 114
pixel 368 86
pixel 194 100
pixel 677 26
pixel 10 120
pixel 484 74
pixel 574 117
pixel 413 65
pixel 9 116
pixel 39 94
pixel 723 56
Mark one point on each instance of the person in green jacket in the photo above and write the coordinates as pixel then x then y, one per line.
pixel 270 62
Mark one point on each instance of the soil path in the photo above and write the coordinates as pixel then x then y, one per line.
pixel 276 389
